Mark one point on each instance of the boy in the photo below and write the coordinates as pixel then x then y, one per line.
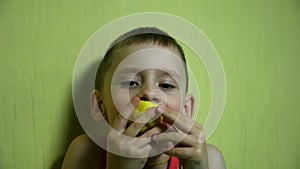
pixel 144 64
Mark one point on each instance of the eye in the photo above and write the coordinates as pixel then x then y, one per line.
pixel 133 84
pixel 130 84
pixel 166 86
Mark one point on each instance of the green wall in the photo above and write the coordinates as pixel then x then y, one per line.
pixel 258 43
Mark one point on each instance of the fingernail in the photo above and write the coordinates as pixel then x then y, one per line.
pixel 153 136
pixel 152 109
pixel 169 145
pixel 167 148
pixel 161 108
pixel 135 101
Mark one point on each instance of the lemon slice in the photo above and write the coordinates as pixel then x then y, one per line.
pixel 141 108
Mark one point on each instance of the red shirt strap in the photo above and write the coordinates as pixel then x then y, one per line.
pixel 174 163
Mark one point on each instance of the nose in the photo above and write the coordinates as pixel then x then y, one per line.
pixel 150 93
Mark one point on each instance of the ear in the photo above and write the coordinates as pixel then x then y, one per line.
pixel 97 107
pixel 189 106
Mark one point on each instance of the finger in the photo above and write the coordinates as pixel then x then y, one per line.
pixel 176 137
pixel 158 129
pixel 121 120
pixel 184 152
pixel 138 143
pixel 181 122
pixel 144 151
pixel 160 147
pixel 135 127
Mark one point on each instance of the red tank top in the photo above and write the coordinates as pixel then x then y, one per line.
pixel 174 163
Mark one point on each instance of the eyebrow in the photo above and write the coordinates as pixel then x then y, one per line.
pixel 164 70
pixel 172 73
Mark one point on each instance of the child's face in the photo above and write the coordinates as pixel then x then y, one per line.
pixel 147 71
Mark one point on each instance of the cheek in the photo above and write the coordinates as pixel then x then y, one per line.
pixel 120 99
pixel 118 103
pixel 174 103
pixel 174 106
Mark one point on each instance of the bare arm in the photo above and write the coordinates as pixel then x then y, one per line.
pixel 215 158
pixel 82 153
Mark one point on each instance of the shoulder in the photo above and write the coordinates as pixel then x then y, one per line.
pixel 81 153
pixel 215 157
pixel 82 145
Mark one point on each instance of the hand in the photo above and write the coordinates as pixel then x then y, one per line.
pixel 125 150
pixel 191 149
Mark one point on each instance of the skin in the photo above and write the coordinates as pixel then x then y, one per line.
pixel 162 86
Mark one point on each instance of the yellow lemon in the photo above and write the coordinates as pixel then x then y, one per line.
pixel 141 108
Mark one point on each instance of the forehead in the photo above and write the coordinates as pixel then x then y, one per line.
pixel 148 56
